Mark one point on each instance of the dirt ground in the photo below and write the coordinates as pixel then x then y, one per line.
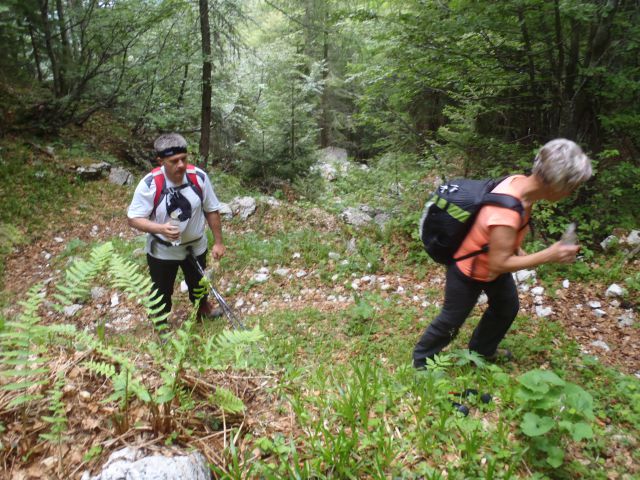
pixel 600 334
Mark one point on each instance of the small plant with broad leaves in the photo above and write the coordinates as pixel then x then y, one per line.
pixel 554 411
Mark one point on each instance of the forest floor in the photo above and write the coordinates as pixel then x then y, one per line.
pixel 29 265
pixel 326 310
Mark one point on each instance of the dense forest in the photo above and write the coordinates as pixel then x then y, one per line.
pixel 413 92
pixel 261 85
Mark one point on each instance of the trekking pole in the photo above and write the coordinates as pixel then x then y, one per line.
pixel 233 319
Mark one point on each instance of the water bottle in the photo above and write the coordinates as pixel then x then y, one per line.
pixel 174 221
pixel 569 237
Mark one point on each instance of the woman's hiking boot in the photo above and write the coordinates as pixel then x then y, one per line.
pixel 500 355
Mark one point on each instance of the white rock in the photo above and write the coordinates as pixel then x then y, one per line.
pixel 595 304
pixel 335 277
pixel 538 299
pixel 601 344
pixel 633 238
pixel 263 270
pixel 332 298
pixel 400 289
pixel 70 310
pixel 243 206
pixel 565 283
pixel 296 255
pixel 130 464
pixel 626 319
pixel 58 239
pixel 260 277
pixel 301 273
pixel 282 272
pixel 483 299
pixel 183 287
pixel 366 279
pixel 97 293
pixel 355 284
pixel 524 288
pixel 543 312
pixel 271 201
pixel 599 313
pixel 334 256
pixel 385 286
pixel 356 217
pixel 608 242
pixel 239 303
pixel 225 211
pixel 46 255
pixel 614 290
pixel 615 303
pixel 524 275
pixel 537 290
pixel 115 300
pixel 344 262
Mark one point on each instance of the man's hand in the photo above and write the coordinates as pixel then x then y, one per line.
pixel 217 252
pixel 171 232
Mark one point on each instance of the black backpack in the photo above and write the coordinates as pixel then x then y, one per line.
pixel 450 212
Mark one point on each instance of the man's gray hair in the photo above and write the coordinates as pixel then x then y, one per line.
pixel 169 140
pixel 562 164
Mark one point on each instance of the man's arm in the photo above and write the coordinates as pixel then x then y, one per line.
pixel 502 258
pixel 169 231
pixel 215 224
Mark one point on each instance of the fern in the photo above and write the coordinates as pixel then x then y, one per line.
pixel 227 401
pixel 23 350
pixel 58 418
pixel 79 276
pixel 125 275
pixel 230 346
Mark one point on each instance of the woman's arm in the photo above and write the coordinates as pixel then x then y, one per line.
pixel 502 259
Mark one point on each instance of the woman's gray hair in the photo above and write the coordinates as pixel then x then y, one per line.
pixel 169 140
pixel 562 165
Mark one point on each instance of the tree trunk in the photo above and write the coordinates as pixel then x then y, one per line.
pixel 64 37
pixel 205 110
pixel 183 86
pixel 55 66
pixel 36 52
pixel 293 122
pixel 325 122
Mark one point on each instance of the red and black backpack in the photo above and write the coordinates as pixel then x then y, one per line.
pixel 195 180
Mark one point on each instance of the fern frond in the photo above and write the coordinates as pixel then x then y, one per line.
pixel 226 400
pixel 101 368
pixel 78 277
pixel 229 339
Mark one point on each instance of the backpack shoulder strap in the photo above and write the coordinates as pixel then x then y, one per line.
pixel 503 200
pixel 160 182
pixel 195 180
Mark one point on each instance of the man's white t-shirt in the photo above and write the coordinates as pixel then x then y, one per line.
pixel 192 230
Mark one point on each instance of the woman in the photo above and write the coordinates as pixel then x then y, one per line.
pixel 559 168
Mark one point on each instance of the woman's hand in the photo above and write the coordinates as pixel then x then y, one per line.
pixel 562 253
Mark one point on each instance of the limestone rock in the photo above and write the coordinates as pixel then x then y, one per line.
pixel 129 464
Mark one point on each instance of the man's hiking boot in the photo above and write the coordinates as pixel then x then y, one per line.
pixel 207 312
pixel 500 355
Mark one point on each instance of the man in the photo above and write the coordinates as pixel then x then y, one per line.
pixel 558 169
pixel 173 204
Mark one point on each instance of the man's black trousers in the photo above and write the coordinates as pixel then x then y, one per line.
pixel 461 295
pixel 163 275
